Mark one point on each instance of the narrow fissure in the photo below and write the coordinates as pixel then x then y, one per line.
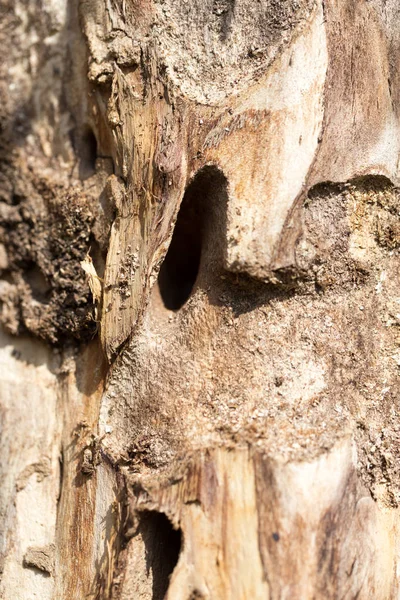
pixel 88 154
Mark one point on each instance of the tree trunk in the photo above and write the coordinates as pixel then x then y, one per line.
pixel 200 351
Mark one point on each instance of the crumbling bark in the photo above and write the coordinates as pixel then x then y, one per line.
pixel 199 220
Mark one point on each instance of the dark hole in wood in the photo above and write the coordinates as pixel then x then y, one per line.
pixel 197 216
pixel 88 154
pixel 179 270
pixel 163 546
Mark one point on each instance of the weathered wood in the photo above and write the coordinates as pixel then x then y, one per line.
pixel 303 116
pixel 260 528
pixel 215 413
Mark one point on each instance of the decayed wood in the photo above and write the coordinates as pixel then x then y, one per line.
pixel 259 528
pixel 293 118
pixel 226 174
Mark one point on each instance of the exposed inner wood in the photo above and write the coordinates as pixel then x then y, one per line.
pixel 199 305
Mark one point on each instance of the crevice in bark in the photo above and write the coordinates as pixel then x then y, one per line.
pixel 88 154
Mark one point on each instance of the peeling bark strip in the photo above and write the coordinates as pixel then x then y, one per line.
pixel 211 189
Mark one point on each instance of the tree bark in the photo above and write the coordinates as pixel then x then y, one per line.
pixel 199 246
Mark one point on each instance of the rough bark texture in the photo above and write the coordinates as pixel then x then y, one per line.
pixel 199 250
